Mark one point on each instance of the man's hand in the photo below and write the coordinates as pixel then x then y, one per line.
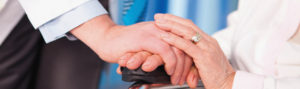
pixel 111 41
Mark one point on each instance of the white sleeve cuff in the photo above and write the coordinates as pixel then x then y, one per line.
pixel 245 80
pixel 269 83
pixel 57 27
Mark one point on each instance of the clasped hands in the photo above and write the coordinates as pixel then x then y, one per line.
pixel 167 41
pixel 207 55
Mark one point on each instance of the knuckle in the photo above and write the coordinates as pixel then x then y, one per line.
pixel 145 53
pixel 190 31
pixel 180 53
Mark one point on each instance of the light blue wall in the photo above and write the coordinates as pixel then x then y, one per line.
pixel 209 15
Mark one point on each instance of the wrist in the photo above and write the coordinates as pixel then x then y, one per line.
pixel 97 26
pixel 93 31
pixel 227 84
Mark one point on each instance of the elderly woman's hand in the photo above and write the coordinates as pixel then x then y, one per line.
pixel 213 67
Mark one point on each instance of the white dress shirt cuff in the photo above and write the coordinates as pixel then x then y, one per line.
pixel 59 26
pixel 245 80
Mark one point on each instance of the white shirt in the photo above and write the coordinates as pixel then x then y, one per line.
pixel 54 18
pixel 256 42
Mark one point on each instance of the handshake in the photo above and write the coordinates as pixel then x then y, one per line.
pixel 186 52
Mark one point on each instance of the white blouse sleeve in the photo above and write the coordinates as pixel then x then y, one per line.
pixel 225 36
pixel 245 80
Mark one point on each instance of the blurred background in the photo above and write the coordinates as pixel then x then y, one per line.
pixel 209 15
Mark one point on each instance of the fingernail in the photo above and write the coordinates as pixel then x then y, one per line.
pixel 147 65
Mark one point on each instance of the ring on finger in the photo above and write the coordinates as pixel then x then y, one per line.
pixel 196 38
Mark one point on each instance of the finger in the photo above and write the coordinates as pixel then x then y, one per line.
pixel 187 67
pixel 176 28
pixel 187 46
pixel 119 70
pixel 164 50
pixel 183 21
pixel 174 18
pixel 152 62
pixel 137 59
pixel 123 59
pixel 193 77
pixel 175 78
